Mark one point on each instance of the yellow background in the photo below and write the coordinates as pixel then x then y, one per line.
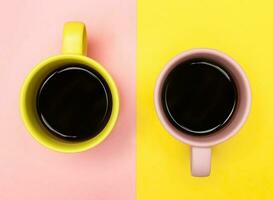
pixel 242 167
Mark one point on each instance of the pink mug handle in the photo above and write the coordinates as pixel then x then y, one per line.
pixel 200 161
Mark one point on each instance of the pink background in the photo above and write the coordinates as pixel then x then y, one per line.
pixel 30 31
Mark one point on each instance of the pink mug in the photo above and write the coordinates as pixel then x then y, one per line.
pixel 201 145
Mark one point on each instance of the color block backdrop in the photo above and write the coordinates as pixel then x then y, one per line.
pixel 30 31
pixel 241 167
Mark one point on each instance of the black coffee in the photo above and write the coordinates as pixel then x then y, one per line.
pixel 199 96
pixel 74 103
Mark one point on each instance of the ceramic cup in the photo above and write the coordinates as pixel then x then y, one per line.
pixel 74 50
pixel 201 145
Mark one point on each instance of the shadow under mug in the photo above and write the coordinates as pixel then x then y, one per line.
pixel 201 145
pixel 74 50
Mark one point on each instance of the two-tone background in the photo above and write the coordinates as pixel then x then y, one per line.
pixel 133 40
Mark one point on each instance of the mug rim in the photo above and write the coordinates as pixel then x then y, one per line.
pixel 56 143
pixel 240 114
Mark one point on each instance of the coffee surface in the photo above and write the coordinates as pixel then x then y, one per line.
pixel 74 103
pixel 199 97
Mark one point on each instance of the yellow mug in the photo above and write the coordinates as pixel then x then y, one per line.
pixel 74 50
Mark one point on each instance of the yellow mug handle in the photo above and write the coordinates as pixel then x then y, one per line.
pixel 74 38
